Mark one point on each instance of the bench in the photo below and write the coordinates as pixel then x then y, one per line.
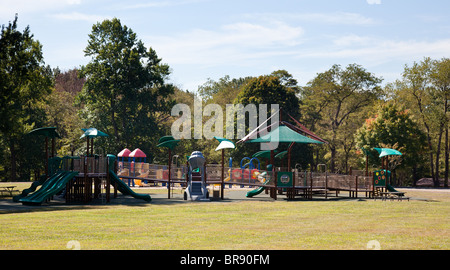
pixel 8 190
pixel 393 195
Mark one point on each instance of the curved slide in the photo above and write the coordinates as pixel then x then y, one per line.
pixel 392 189
pixel 32 188
pixel 124 189
pixel 52 186
pixel 257 191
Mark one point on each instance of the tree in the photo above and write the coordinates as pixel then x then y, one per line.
pixel 62 112
pixel 24 82
pixel 425 89
pixel 393 127
pixel 333 97
pixel 268 89
pixel 125 94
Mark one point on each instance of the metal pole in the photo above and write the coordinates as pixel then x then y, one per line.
pixel 222 176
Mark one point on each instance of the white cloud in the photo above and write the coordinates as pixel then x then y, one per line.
pixel 374 2
pixel 10 7
pixel 339 17
pixel 231 44
pixel 346 18
pixel 155 4
pixel 378 50
pixel 76 16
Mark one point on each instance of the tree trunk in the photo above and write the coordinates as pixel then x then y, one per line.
pixel 12 147
pixel 438 153
pixel 446 144
pixel 333 159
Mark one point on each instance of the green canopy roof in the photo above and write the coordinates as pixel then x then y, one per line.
pixel 263 154
pixel 167 141
pixel 388 152
pixel 284 134
pixel 224 143
pixel 45 131
pixel 92 132
pixel 281 155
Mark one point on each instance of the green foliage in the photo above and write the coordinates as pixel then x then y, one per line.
pixel 425 90
pixel 24 83
pixel 125 94
pixel 269 89
pixel 332 104
pixel 393 127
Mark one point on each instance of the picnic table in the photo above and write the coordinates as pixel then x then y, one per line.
pixel 8 189
pixel 393 195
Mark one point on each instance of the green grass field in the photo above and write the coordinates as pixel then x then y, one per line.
pixel 240 224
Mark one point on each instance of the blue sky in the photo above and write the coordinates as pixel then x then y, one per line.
pixel 202 39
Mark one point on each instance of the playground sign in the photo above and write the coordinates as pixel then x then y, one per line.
pixel 284 179
pixel 380 177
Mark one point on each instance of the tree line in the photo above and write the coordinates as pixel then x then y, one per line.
pixel 125 91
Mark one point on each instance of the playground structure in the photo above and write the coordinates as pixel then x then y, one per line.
pixel 82 179
pixel 196 180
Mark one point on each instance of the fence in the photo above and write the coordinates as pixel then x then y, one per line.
pixel 235 175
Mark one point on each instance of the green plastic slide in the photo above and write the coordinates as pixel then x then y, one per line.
pixel 51 187
pixel 257 191
pixel 124 189
pixel 32 188
pixel 392 189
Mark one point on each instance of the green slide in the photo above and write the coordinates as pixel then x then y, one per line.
pixel 392 189
pixel 124 189
pixel 257 191
pixel 51 187
pixel 32 188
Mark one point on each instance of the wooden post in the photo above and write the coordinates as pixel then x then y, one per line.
pixel 92 146
pixel 108 184
pixel 289 155
pixel 187 173
pixel 85 180
pixel 367 165
pixel 46 156
pixel 223 175
pixel 168 180
pixel 53 146
pixel 272 157
pixel 326 185
pixel 87 147
pixel 356 186
pixel 276 184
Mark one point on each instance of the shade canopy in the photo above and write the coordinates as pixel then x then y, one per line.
pixel 124 153
pixel 224 143
pixel 281 155
pixel 93 132
pixel 388 152
pixel 284 134
pixel 167 141
pixel 263 154
pixel 137 153
pixel 45 131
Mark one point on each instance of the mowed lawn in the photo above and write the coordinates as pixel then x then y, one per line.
pixel 237 224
